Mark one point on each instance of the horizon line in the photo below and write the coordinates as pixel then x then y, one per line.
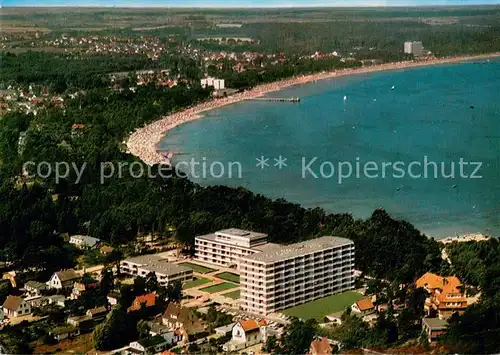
pixel 249 6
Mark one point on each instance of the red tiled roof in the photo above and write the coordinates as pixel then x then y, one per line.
pixel 249 325
pixel 365 304
pixel 149 299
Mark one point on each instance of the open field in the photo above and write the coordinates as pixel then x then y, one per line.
pixel 323 306
pixel 218 288
pixel 198 268
pixel 229 276
pixel 233 294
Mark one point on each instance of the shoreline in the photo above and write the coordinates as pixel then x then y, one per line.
pixel 143 141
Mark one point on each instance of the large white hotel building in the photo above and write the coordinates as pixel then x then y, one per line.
pixel 227 246
pixel 275 277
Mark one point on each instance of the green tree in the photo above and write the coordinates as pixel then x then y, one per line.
pixel 298 336
pixel 151 282
pixel 117 331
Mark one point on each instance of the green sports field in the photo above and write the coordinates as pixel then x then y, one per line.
pixel 323 306
pixel 198 268
pixel 220 287
pixel 196 282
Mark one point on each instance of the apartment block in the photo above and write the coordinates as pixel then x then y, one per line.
pixel 227 246
pixel 288 275
pixel 415 48
pixel 218 84
pixel 165 271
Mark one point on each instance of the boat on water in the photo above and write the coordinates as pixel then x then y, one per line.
pixel 393 87
pixel 345 98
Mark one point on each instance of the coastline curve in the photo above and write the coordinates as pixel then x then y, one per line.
pixel 143 142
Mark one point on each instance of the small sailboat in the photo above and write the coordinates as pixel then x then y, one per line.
pixel 393 87
pixel 345 98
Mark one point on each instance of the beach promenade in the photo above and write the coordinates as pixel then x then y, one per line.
pixel 144 140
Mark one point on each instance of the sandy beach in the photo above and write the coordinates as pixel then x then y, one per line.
pixel 143 141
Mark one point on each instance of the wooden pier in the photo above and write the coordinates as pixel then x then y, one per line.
pixel 276 99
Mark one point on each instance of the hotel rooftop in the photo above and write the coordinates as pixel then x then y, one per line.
pixel 157 264
pixel 283 252
pixel 241 233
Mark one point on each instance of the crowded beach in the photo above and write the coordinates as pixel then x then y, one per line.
pixel 143 141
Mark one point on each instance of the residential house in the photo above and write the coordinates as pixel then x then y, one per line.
pixel 157 328
pixel 446 295
pixel 150 345
pixel 58 300
pixel 79 288
pixel 84 241
pixel 12 277
pixel 34 288
pixel 433 327
pixel 320 346
pixel 64 332
pixel 97 313
pixel 106 250
pixel 149 300
pixel 364 306
pixel 222 331
pixel 63 279
pixel 113 298
pixel 245 334
pixel 81 322
pixel 36 301
pixel 87 322
pixel 182 319
pixel 15 306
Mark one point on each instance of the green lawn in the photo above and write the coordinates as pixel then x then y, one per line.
pixel 196 282
pixel 229 276
pixel 198 268
pixel 323 306
pixel 220 287
pixel 234 294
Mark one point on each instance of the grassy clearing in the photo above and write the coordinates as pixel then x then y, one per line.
pixel 196 282
pixel 234 294
pixel 198 268
pixel 321 307
pixel 229 276
pixel 219 287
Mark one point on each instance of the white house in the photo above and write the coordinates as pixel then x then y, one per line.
pixel 113 298
pixel 36 301
pixel 15 306
pixel 34 288
pixel 84 241
pixel 364 306
pixel 63 279
pixel 246 334
pixel 65 332
pixel 218 84
pixel 151 345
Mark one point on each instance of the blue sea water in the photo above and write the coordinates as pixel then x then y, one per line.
pixel 442 113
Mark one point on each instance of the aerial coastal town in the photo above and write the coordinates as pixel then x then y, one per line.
pixel 135 264
pixel 236 292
